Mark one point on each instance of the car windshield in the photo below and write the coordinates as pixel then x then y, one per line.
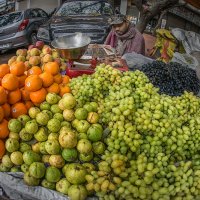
pixel 93 8
pixel 10 18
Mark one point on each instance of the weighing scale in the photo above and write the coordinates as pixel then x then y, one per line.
pixel 83 57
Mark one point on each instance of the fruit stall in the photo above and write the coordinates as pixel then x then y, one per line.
pixel 108 135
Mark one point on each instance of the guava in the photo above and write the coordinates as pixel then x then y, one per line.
pixel 66 124
pixel 84 146
pixel 94 106
pixel 23 119
pixel 42 118
pixel 12 145
pixel 86 157
pixel 14 125
pixel 54 125
pixel 29 180
pixel 41 135
pixel 56 161
pixel 88 107
pixel 4 168
pixel 6 161
pixel 59 116
pixel 45 106
pixel 24 147
pixel 48 112
pixel 70 154
pixel 42 148
pixel 93 117
pixel 25 168
pixel 69 101
pixel 89 167
pixel 75 123
pixel 30 156
pixel 52 147
pixel 82 136
pixel 96 159
pixel 37 169
pixel 55 109
pixel 36 147
pixel 53 136
pixel 17 158
pixel 53 174
pixel 75 173
pixel 64 168
pixel 67 138
pixel 25 136
pixel 63 185
pixel 33 111
pixel 45 158
pixel 98 147
pixel 77 192
pixel 52 98
pixel 14 135
pixel 15 169
pixel 31 127
pixel 68 115
pixel 95 132
pixel 61 105
pixel 82 126
pixel 49 185
pixel 81 113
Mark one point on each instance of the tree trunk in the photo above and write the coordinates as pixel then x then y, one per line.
pixel 141 25
pixel 149 11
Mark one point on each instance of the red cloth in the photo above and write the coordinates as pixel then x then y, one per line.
pixel 132 41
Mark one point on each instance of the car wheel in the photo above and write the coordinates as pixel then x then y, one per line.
pixel 33 38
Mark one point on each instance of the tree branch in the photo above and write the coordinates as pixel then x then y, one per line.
pixel 138 4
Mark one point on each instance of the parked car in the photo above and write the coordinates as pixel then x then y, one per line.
pixel 20 28
pixel 86 16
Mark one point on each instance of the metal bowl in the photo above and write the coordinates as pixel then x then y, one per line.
pixel 71 46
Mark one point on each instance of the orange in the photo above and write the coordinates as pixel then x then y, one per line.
pixel 14 96
pixel 2 149
pixel 4 132
pixel 47 79
pixel 33 83
pixel 25 94
pixel 28 104
pixel 38 96
pixel 64 88
pixel 65 79
pixel 1 113
pixel 58 78
pixel 54 88
pixel 3 95
pixel 52 68
pixel 10 82
pixel 22 79
pixel 18 109
pixel 6 109
pixel 17 68
pixel 35 70
pixel 4 69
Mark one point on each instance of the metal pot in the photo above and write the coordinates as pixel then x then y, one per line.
pixel 71 46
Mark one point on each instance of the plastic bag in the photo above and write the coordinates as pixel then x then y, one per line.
pixel 13 186
pixel 190 40
pixel 185 59
pixel 135 61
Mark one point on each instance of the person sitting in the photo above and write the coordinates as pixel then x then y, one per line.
pixel 124 37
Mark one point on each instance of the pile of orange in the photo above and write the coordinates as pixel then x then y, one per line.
pixel 21 89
